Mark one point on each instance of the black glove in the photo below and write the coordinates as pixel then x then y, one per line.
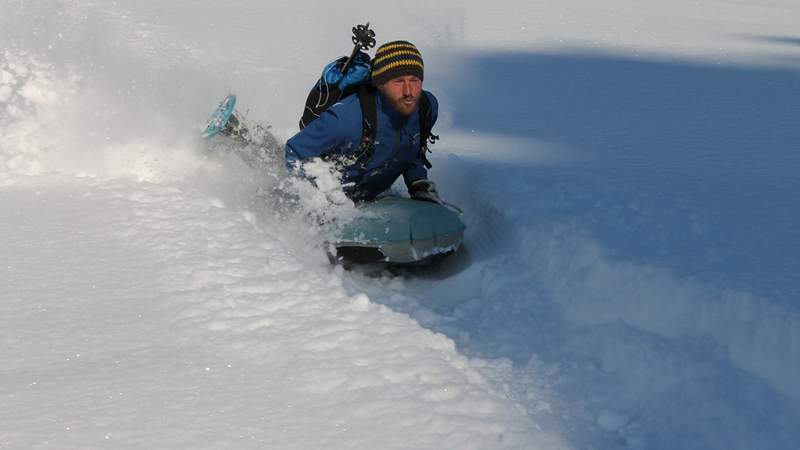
pixel 425 190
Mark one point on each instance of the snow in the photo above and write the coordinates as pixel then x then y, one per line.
pixel 629 280
pixel 158 316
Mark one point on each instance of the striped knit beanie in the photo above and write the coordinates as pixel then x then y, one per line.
pixel 395 59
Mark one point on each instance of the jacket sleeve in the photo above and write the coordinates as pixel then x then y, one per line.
pixel 321 136
pixel 417 170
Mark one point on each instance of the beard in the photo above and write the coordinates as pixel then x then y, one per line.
pixel 406 105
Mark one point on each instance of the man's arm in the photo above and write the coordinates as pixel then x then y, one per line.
pixel 324 134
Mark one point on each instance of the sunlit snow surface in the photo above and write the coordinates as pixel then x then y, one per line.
pixel 628 171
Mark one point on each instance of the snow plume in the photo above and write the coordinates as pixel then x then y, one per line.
pixel 321 191
pixel 316 202
pixel 57 121
pixel 310 201
pixel 33 101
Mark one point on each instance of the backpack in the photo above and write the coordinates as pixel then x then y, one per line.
pixel 333 86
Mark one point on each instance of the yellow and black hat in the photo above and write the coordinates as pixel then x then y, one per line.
pixel 395 59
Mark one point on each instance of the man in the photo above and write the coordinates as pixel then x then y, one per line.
pixel 397 75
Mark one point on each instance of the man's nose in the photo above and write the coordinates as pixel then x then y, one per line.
pixel 406 89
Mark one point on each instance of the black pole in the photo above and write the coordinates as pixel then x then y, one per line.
pixel 363 39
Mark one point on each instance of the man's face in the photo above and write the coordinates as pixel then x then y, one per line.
pixel 403 93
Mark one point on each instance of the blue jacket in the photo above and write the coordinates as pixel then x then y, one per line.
pixel 337 133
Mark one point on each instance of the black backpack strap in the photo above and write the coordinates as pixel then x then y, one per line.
pixel 369 117
pixel 426 135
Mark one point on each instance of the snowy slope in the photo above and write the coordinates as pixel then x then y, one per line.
pixel 155 316
pixel 627 169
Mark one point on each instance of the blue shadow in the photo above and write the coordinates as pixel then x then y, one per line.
pixel 705 155
pixel 783 40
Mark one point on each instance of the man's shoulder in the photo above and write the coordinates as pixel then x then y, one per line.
pixel 344 116
pixel 346 105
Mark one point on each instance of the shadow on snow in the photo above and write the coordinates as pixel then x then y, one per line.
pixel 686 165
pixel 680 165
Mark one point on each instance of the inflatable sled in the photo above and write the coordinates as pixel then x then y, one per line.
pixel 399 231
